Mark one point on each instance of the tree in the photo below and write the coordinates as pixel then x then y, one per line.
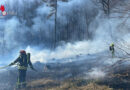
pixel 106 6
pixel 54 5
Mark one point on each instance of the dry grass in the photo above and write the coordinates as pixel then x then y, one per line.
pixel 45 84
pixel 73 86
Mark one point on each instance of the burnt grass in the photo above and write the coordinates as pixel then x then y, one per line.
pixel 117 77
pixel 73 73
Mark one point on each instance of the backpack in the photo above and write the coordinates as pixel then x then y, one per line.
pixel 110 48
pixel 28 57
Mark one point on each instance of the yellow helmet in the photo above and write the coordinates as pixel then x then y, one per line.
pixel 112 44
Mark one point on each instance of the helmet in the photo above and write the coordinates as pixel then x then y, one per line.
pixel 22 51
pixel 112 44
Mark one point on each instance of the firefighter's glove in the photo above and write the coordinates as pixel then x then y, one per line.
pixel 33 69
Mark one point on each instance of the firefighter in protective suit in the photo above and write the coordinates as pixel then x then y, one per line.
pixel 112 49
pixel 23 61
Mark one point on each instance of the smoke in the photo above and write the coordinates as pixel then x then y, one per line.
pixel 32 27
pixel 71 50
pixel 68 50
pixel 81 29
pixel 96 73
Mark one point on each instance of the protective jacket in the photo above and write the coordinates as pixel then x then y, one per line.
pixel 111 47
pixel 23 61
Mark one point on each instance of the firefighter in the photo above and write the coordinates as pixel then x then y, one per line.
pixel 23 61
pixel 112 49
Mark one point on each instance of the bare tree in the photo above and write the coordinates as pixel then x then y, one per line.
pixel 54 5
pixel 3 42
pixel 120 9
pixel 55 23
pixel 106 6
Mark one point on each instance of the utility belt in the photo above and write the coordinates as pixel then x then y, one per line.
pixel 22 67
pixel 20 83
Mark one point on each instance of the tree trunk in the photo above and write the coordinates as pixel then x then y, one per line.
pixel 55 35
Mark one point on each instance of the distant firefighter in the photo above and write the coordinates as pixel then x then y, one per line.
pixel 23 61
pixel 112 49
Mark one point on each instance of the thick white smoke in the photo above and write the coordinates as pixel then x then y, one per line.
pixel 30 27
pixel 68 50
pixel 95 73
pixel 33 31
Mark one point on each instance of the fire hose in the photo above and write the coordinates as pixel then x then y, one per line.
pixel 9 65
pixel 4 67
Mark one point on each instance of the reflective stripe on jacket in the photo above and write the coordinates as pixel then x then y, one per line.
pixel 22 67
